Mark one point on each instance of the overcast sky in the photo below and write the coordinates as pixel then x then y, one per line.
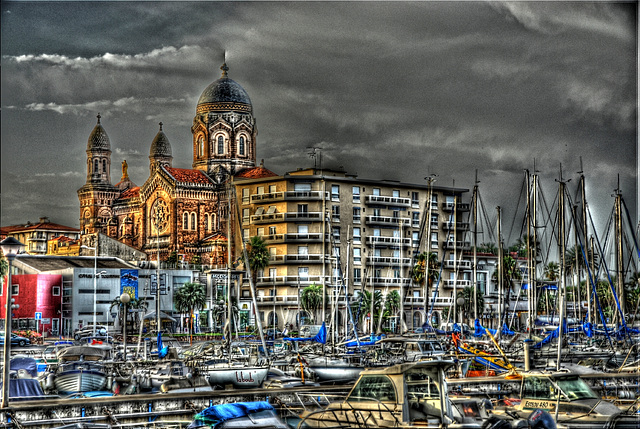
pixel 388 90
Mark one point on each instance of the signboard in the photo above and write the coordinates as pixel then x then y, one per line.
pixel 45 321
pixel 38 315
pixel 163 284
pixel 129 282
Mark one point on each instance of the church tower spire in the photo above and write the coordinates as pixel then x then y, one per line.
pixel 97 194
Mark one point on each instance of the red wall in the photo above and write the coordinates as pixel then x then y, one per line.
pixel 35 295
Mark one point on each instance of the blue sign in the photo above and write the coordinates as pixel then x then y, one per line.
pixel 38 315
pixel 129 283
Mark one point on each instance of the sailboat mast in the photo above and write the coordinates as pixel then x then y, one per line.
pixel 619 257
pixel 530 263
pixel 561 249
pixel 475 248
pixel 589 264
pixel 455 262
pixel 499 267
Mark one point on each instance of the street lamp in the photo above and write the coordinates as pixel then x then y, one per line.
pixel 125 298
pixel 95 283
pixel 10 247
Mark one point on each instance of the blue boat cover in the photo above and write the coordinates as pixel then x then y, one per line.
pixel 24 388
pixel 28 364
pixel 220 413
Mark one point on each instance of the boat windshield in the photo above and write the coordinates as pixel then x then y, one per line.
pixel 575 388
pixel 373 388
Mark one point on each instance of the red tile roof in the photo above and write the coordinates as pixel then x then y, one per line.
pixel 37 226
pixel 188 176
pixel 130 193
pixel 255 173
pixel 63 238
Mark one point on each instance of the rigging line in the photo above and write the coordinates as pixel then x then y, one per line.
pixel 626 210
pixel 513 220
pixel 610 281
pixel 486 218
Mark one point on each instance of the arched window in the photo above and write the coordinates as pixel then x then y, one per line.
pixel 241 148
pixel 185 220
pixel 193 221
pixel 220 145
pixel 95 166
pixel 201 146
pixel 104 165
pixel 206 222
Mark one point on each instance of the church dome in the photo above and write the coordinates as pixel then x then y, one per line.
pixel 160 148
pixel 224 94
pixel 98 139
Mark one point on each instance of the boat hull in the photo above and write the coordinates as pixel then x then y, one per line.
pixel 80 377
pixel 239 377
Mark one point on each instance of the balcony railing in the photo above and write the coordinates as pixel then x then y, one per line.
pixel 294 238
pixel 460 264
pixel 390 281
pixel 460 245
pixel 289 216
pixel 303 281
pixel 459 226
pixel 288 196
pixel 460 207
pixel 387 220
pixel 388 261
pixel 459 282
pixel 389 201
pixel 389 241
pixel 294 258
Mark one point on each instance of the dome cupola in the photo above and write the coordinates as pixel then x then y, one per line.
pixel 98 139
pixel 224 95
pixel 160 151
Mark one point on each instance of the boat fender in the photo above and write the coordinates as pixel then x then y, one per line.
pixel 541 419
pixel 49 385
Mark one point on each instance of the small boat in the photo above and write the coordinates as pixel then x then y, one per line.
pixel 222 374
pixel 81 369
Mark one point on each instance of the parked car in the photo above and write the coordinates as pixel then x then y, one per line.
pixel 87 331
pixel 15 340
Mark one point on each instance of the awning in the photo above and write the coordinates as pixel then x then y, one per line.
pixel 163 316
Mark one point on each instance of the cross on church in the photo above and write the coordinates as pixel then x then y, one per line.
pixel 224 69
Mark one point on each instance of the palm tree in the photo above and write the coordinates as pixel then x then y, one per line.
pixel 311 298
pixel 424 260
pixel 258 255
pixel 391 305
pixel 552 271
pixel 364 306
pixel 489 248
pixel 189 298
pixel 134 304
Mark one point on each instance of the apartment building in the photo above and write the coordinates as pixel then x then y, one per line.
pixel 347 234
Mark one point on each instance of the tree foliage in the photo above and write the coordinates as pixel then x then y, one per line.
pixel 311 299
pixel 189 298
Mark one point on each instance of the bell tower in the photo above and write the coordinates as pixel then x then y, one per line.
pixel 97 194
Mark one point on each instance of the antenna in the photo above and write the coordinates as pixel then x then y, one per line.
pixel 316 154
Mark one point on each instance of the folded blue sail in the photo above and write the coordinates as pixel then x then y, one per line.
pixel 482 331
pixel 217 414
pixel 321 336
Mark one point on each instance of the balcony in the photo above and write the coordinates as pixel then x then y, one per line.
pixel 281 217
pixel 459 245
pixel 377 241
pixel 459 226
pixel 293 238
pixel 296 258
pixel 287 196
pixel 302 281
pixel 459 282
pixel 384 261
pixel 460 264
pixel 387 220
pixel 388 201
pixel 460 207
pixel 390 281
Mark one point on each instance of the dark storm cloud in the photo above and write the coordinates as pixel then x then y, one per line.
pixel 389 90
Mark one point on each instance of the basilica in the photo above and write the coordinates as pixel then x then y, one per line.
pixel 181 210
